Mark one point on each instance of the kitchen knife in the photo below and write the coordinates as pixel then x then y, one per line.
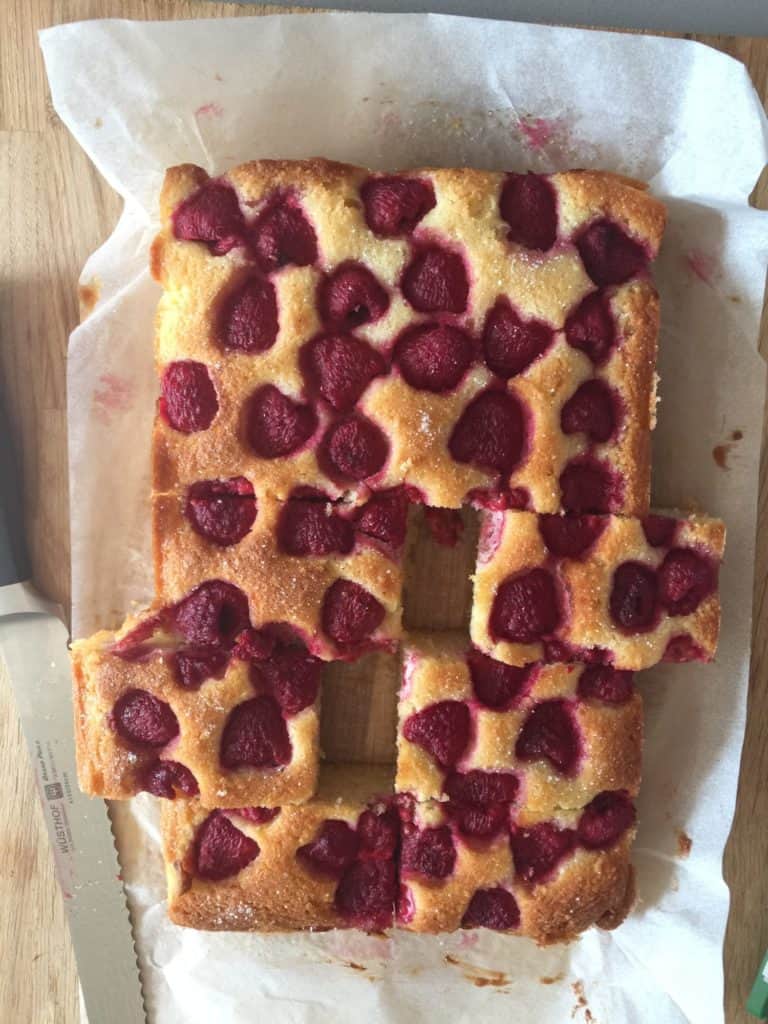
pixel 33 642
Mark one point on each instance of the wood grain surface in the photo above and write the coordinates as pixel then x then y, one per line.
pixel 54 210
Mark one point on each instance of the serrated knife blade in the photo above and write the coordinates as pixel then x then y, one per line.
pixel 33 645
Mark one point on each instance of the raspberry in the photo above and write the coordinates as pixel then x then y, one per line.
pixel 338 368
pixel 526 608
pixel 276 426
pixel 492 908
pixel 442 729
pixel 222 511
pixel 429 852
pixel 221 850
pixel 255 734
pixel 685 580
pixel 510 343
pixel 212 215
pixel 593 409
pixel 609 255
pixel 659 530
pixel 600 682
pixel 433 357
pixel 394 206
pixel 435 281
pixel 537 851
pixel 282 235
pixel 570 536
pixel 589 485
pixel 212 615
pixel 633 600
pixel 490 433
pixel 496 685
pixel 312 528
pixel 193 665
pixel 248 321
pixel 351 296
pixel 188 399
pixel 528 203
pixel 550 732
pixel 591 328
pixel 144 721
pixel 384 516
pixel 164 778
pixel 350 614
pixel 353 449
pixel 332 850
pixel 367 893
pixel 605 820
pixel 479 787
pixel 291 676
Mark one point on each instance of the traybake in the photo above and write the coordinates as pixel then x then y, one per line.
pixel 624 592
pixel 473 335
pixel 334 345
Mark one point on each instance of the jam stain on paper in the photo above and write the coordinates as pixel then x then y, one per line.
pixel 684 844
pixel 721 452
pixel 209 110
pixel 537 132
pixel 551 979
pixel 702 265
pixel 479 976
pixel 114 395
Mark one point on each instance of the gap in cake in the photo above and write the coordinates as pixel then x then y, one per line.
pixel 437 591
pixel 359 709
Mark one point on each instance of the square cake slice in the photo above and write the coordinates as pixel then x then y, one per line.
pixel 474 335
pixel 189 701
pixel 487 737
pixel 544 876
pixel 331 573
pixel 623 592
pixel 329 863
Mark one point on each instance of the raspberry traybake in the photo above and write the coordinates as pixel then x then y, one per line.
pixel 543 737
pixel 545 876
pixel 624 592
pixel 171 705
pixel 472 335
pixel 329 863
pixel 333 573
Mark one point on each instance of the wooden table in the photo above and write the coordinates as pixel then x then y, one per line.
pixel 55 211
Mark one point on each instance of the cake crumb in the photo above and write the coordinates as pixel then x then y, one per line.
pixel 552 979
pixel 684 844
pixel 581 1003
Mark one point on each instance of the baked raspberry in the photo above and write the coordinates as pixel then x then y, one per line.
pixel 384 516
pixel 492 908
pixel 132 646
pixel 433 357
pixel 537 851
pixel 193 665
pixel 353 449
pixel 332 850
pixel 313 528
pixel 605 819
pixel 479 787
pixel 490 433
pixel 253 645
pixel 609 255
pixel 282 235
pixel 222 511
pixel 291 676
pixel 165 778
pixel 591 328
pixel 255 734
pixel 212 215
pixel 600 682
pixel 366 894
pixel 379 834
pixel 593 409
pixel 590 485
pixel 275 425
pixel 659 530
pixel 258 815
pixel 351 296
pixel 528 203
pixel 526 608
pixel 248 320
pixel 394 206
pixel 442 729
pixel 212 615
pixel 684 648
pixel 550 732
pixel 221 850
pixel 478 821
pixel 496 685
pixel 634 597
pixel 338 368
pixel 429 852
pixel 144 721
pixel 435 281
pixel 188 401
pixel 445 525
pixel 685 579
pixel 510 343
pixel 570 536
pixel 350 614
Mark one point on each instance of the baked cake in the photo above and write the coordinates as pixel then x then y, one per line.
pixel 621 591
pixel 332 346
pixel 188 700
pixel 472 335
pixel 542 737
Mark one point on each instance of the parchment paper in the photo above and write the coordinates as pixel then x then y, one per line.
pixel 398 91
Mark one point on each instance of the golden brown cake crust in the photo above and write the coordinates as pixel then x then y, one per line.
pixel 513 545
pixel 418 424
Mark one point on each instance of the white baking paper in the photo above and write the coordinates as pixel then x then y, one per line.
pixel 399 91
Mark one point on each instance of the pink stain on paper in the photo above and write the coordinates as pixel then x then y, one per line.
pixel 209 110
pixel 113 395
pixel 537 132
pixel 703 265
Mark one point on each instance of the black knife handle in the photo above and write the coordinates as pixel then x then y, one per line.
pixel 14 558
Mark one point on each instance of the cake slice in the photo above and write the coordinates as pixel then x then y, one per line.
pixel 486 737
pixel 476 336
pixel 329 863
pixel 333 572
pixel 619 591
pixel 189 700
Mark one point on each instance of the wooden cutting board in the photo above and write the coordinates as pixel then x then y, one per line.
pixel 55 211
